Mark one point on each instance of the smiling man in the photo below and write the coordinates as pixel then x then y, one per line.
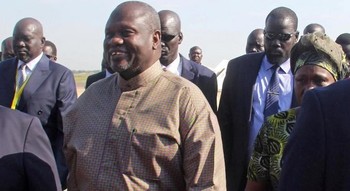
pixel 143 128
pixel 196 54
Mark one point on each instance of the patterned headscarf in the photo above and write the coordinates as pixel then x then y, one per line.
pixel 318 49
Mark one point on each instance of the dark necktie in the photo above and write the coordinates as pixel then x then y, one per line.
pixel 271 102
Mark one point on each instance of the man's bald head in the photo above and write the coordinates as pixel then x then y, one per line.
pixel 7 49
pixel 255 41
pixel 170 19
pixel 171 36
pixel 143 9
pixel 314 27
pixel 28 39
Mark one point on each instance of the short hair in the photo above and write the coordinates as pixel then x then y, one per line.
pixel 30 21
pixel 343 38
pixel 283 12
pixel 312 26
pixel 195 48
pixel 52 45
pixel 173 15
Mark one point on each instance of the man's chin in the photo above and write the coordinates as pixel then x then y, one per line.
pixel 164 60
pixel 120 66
pixel 24 59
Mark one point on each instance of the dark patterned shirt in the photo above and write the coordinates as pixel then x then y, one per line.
pixel 265 163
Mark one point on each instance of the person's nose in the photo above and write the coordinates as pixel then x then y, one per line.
pixel 310 86
pixel 276 42
pixel 162 44
pixel 117 40
pixel 19 43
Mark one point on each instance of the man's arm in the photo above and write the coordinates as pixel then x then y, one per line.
pixel 203 161
pixel 39 162
pixel 66 96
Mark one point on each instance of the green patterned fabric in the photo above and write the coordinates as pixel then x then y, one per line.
pixel 265 163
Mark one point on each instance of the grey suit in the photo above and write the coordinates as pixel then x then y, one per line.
pixel 47 95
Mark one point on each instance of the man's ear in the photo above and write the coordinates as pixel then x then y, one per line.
pixel 296 36
pixel 156 40
pixel 180 37
pixel 43 40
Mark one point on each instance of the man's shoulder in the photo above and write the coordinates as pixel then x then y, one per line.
pixel 252 59
pixel 14 115
pixel 98 75
pixel 248 57
pixel 8 63
pixel 179 83
pixel 57 66
pixel 197 68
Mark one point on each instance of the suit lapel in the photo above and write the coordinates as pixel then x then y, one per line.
pixel 38 76
pixel 187 70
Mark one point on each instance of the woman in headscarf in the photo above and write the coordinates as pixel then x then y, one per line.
pixel 316 61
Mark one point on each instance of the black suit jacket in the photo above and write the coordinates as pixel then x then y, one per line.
pixel 26 159
pixel 203 77
pixel 317 155
pixel 47 95
pixel 95 77
pixel 234 114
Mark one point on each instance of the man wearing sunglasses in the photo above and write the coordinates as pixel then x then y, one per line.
pixel 245 89
pixel 174 62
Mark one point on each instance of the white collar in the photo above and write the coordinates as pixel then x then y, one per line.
pixel 32 64
pixel 175 67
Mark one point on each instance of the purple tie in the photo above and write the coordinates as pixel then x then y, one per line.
pixel 272 93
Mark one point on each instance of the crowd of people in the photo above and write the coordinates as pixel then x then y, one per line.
pixel 150 119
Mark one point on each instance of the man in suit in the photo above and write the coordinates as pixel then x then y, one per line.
pixel 317 154
pixel 174 62
pixel 32 83
pixel 26 158
pixel 242 104
pixel 105 73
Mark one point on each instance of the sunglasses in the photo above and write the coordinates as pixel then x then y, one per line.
pixel 167 37
pixel 281 36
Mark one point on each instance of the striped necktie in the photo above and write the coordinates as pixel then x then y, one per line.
pixel 271 102
pixel 22 75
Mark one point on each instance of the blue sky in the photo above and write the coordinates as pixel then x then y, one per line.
pixel 219 27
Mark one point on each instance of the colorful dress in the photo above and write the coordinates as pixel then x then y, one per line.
pixel 265 163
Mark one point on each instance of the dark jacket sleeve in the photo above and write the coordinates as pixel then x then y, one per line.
pixel 38 160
